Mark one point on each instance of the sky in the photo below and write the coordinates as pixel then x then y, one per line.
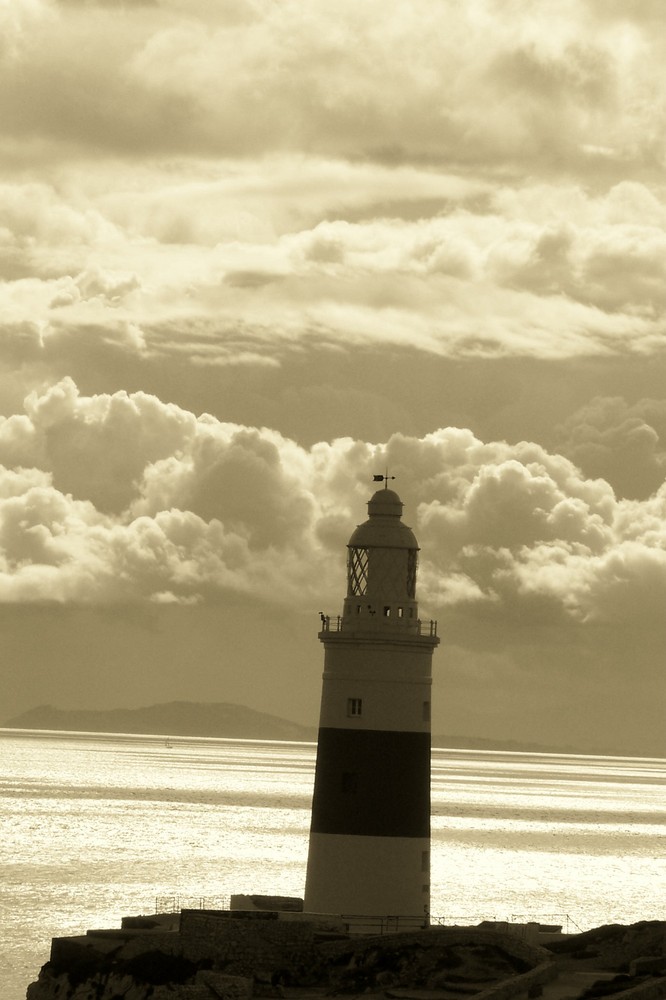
pixel 253 252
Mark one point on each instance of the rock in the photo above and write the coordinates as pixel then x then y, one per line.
pixel 226 987
pixel 215 954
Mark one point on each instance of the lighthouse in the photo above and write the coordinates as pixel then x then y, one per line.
pixel 369 849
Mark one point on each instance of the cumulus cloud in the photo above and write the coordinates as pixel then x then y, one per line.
pixel 623 443
pixel 110 498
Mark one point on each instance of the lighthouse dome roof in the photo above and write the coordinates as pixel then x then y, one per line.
pixel 385 502
pixel 384 527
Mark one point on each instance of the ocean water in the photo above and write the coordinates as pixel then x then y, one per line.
pixel 94 827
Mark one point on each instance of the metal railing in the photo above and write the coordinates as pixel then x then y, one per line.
pixel 568 924
pixel 388 924
pixel 174 904
pixel 563 920
pixel 336 623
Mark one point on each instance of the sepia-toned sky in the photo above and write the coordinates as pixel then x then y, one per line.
pixel 254 251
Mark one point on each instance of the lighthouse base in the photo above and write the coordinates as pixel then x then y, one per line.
pixel 372 876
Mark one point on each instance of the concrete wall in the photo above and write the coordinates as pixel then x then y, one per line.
pixel 242 901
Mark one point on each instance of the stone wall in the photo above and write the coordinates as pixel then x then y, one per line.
pixel 247 944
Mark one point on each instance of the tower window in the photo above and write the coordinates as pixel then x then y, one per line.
pixel 357 567
pixel 349 782
pixel 425 861
pixel 354 706
pixel 426 711
pixel 400 612
pixel 412 560
pixel 387 611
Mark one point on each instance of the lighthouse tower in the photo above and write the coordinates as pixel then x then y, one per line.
pixel 369 851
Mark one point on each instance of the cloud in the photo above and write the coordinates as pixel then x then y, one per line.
pixel 621 442
pixel 193 190
pixel 17 20
pixel 518 278
pixel 121 497
pixel 456 84
pixel 462 84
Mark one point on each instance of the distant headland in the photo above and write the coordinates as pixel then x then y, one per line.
pixel 219 720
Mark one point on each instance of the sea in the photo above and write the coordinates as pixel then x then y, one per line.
pixel 94 827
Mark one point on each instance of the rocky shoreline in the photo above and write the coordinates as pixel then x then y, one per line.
pixel 237 954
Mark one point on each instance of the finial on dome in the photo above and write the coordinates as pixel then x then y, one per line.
pixel 383 479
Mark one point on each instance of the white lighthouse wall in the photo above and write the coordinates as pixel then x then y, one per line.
pixel 395 706
pixel 368 875
pixel 394 687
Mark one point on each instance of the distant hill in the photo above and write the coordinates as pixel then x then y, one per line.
pixel 175 718
pixel 218 720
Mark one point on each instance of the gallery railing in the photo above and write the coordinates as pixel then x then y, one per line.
pixel 336 623
pixel 174 904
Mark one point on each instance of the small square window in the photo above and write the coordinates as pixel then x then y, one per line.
pixel 349 782
pixel 354 706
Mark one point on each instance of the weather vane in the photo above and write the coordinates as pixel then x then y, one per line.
pixel 383 479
